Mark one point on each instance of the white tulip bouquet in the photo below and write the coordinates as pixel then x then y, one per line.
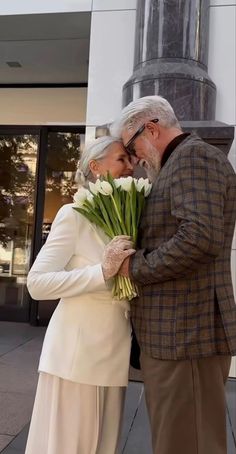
pixel 115 205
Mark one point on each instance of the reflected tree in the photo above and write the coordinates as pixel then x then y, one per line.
pixel 62 160
pixel 18 156
pixel 17 170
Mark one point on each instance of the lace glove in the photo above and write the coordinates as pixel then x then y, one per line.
pixel 115 253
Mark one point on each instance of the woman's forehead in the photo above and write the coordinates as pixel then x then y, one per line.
pixel 117 149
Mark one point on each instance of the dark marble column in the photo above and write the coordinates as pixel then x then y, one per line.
pixel 171 54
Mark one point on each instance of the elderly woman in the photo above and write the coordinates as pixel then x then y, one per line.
pixel 83 369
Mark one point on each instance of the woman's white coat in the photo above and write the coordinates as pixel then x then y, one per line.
pixel 88 337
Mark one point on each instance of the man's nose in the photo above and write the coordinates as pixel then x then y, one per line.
pixel 130 165
pixel 134 160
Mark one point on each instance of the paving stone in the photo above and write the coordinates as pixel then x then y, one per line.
pixel 139 439
pixel 5 440
pixel 13 379
pixel 231 447
pixel 20 331
pixel 26 355
pixel 231 404
pixel 132 402
pixel 19 443
pixel 5 348
pixel 16 409
pixel 12 450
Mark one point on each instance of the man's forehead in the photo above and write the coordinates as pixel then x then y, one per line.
pixel 128 132
pixel 126 135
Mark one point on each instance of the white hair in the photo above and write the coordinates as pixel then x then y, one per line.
pixel 144 109
pixel 96 149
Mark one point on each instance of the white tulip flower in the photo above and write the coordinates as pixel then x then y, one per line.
pixel 143 183
pixel 93 188
pixel 106 188
pixel 126 184
pixel 147 188
pixel 90 198
pixel 139 183
pixel 80 197
pixel 118 182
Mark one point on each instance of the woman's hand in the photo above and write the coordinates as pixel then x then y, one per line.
pixel 115 253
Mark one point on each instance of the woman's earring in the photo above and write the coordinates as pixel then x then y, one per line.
pixel 98 175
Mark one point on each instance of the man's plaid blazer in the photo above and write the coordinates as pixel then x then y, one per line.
pixel 186 307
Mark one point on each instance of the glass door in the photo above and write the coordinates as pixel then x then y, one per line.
pixel 18 160
pixel 37 170
pixel 63 153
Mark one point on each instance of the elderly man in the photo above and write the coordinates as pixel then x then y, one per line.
pixel 185 315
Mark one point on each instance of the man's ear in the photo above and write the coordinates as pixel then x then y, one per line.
pixel 153 129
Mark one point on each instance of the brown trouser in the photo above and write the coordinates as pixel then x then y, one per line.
pixel 186 404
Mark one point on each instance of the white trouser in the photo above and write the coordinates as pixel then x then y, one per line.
pixel 73 418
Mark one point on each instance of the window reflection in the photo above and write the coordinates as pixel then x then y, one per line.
pixel 18 156
pixel 63 155
pixel 64 150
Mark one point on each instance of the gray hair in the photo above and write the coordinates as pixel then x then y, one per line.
pixel 144 109
pixel 96 149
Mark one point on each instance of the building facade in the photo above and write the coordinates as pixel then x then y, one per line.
pixel 63 66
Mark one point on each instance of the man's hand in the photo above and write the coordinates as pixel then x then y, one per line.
pixel 124 269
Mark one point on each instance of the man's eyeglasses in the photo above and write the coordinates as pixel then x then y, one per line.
pixel 130 145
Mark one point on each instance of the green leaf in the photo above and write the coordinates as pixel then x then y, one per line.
pixel 95 220
pixel 105 215
pixel 128 217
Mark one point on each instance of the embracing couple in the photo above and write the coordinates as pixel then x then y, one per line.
pixel 184 317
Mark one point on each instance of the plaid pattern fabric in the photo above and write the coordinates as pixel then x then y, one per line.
pixel 186 307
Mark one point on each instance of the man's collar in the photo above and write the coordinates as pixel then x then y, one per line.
pixel 172 145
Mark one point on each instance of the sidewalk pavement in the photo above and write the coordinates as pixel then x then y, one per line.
pixel 20 346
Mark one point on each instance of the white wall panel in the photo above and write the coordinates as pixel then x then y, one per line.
pixel 113 4
pixel 110 64
pixel 232 372
pixel 233 271
pixel 43 6
pixel 222 2
pixel 222 60
pixel 234 241
pixel 90 134
pixel 222 69
pixel 232 153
